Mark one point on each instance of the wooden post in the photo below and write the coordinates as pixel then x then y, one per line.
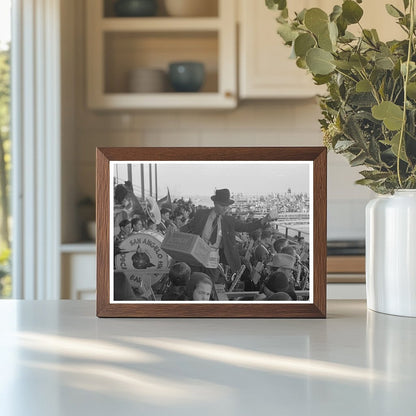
pixel 142 178
pixel 156 181
pixel 130 173
pixel 150 180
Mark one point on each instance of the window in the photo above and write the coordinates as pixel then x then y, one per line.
pixel 5 147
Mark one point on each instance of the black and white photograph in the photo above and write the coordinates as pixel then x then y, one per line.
pixel 187 231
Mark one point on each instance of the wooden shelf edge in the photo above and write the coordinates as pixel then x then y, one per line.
pixel 160 24
pixel 346 264
pixel 126 101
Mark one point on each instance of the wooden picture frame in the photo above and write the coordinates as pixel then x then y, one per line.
pixel 222 159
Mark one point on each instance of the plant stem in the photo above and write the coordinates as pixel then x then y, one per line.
pixel 346 75
pixel 406 79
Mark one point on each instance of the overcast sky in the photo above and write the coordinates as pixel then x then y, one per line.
pixel 184 179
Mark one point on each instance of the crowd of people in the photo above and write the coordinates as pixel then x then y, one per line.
pixel 254 260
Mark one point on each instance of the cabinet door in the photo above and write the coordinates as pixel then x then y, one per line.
pixel 266 71
pixel 78 276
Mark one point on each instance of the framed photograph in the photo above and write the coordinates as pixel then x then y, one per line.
pixel 211 232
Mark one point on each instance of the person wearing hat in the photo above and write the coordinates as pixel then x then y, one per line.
pixel 275 283
pixel 285 263
pixel 218 230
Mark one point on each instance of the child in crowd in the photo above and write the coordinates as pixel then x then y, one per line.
pixel 179 275
pixel 277 282
pixel 137 225
pixel 199 287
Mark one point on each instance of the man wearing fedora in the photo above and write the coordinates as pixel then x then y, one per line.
pixel 218 230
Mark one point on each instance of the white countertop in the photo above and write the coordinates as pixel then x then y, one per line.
pixel 57 358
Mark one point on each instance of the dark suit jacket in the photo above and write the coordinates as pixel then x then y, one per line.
pixel 229 226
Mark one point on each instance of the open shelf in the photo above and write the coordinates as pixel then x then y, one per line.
pixel 118 45
pixel 127 51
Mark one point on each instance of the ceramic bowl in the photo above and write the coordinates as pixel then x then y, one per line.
pixel 186 76
pixel 135 8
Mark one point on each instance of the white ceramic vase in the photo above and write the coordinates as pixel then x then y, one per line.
pixel 391 253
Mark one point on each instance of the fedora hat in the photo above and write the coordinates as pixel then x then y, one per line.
pixel 222 196
pixel 283 260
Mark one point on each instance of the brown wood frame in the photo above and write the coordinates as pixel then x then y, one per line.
pixel 317 309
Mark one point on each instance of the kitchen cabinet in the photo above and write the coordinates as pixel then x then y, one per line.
pixel 78 264
pixel 118 45
pixel 265 70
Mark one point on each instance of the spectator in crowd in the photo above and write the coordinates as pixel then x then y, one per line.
pixel 303 250
pixel 137 225
pixel 280 243
pixel 218 230
pixel 165 221
pixel 289 250
pixel 125 230
pixel 199 287
pixel 179 275
pixel 262 251
pixel 256 237
pixel 285 263
pixel 275 283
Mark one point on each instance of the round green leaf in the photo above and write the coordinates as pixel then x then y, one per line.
pixel 411 90
pixel 394 143
pixel 301 63
pixel 333 32
pixel 391 114
pixel 384 62
pixel 319 61
pixel 351 11
pixel 344 65
pixel 316 20
pixel 325 42
pixel 303 43
pixel 363 86
pixel 358 61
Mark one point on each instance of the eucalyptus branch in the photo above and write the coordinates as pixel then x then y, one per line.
pixel 346 75
pixel 392 91
pixel 373 88
pixel 406 79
